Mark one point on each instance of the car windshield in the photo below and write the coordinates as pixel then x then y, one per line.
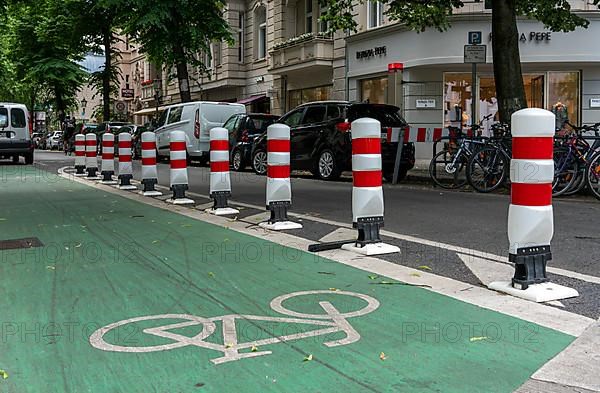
pixel 4 117
pixel 259 124
pixel 388 115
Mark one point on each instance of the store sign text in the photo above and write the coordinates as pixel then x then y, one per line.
pixel 377 51
pixel 534 36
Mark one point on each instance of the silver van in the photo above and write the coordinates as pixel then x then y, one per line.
pixel 15 128
pixel 196 119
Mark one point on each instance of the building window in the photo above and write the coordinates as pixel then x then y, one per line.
pixel 216 53
pixel 323 25
pixel 241 24
pixel 261 32
pixel 309 16
pixel 374 90
pixel 297 97
pixel 374 14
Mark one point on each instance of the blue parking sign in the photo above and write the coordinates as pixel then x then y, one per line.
pixel 475 37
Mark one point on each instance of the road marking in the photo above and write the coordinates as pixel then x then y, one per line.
pixel 339 235
pixel 487 271
pixel 332 321
pixel 553 318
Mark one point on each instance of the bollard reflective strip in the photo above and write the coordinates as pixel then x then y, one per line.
pixel 278 146
pixel 367 179
pixel 177 146
pixel 278 171
pixel 219 166
pixel 219 145
pixel 179 164
pixel 148 160
pixel 366 146
pixel 124 144
pixel 525 194
pixel 149 145
pixel 533 148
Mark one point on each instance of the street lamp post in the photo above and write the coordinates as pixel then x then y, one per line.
pixel 83 105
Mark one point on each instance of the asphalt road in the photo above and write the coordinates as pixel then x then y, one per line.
pixel 455 218
pixel 465 219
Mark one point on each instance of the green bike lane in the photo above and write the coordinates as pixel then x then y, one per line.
pixel 203 310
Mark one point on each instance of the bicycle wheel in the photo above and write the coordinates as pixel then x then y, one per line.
pixel 487 169
pixel 579 182
pixel 592 175
pixel 565 171
pixel 448 170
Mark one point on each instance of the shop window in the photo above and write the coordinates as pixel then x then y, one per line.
pixel 374 14
pixel 302 96
pixel 374 90
pixel 260 19
pixel 563 88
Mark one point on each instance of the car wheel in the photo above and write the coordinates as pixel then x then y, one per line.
pixel 237 161
pixel 259 162
pixel 327 166
pixel 29 159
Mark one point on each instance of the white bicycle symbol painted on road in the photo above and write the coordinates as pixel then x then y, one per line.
pixel 331 322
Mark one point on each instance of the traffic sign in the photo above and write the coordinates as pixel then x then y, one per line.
pixel 475 53
pixel 475 37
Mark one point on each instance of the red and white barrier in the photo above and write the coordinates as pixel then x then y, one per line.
pixel 80 155
pixel 108 158
pixel 220 180
pixel 179 175
pixel 91 155
pixel 367 190
pixel 149 170
pixel 530 215
pixel 125 165
pixel 419 134
pixel 279 188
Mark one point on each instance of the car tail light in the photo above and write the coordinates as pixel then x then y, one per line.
pixel 197 130
pixel 343 127
pixel 245 137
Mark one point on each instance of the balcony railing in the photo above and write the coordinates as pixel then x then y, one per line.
pixel 304 51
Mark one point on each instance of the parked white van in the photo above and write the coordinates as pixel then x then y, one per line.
pixel 196 119
pixel 15 132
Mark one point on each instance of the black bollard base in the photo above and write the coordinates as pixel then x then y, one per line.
pixel 220 199
pixel 92 172
pixel 107 176
pixel 149 184
pixel 530 266
pixel 80 169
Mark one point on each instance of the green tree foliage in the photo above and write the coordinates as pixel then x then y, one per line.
pixel 419 15
pixel 174 32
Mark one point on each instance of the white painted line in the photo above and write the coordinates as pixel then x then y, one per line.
pixel 550 317
pixel 339 234
pixel 486 270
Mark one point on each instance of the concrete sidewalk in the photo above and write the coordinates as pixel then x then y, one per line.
pixel 108 294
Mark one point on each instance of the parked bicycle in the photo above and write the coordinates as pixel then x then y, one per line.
pixel 489 169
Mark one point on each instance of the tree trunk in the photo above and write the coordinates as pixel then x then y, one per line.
pixel 182 75
pixel 507 60
pixel 60 108
pixel 107 38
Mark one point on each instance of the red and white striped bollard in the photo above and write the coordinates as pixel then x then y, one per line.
pixel 178 175
pixel 91 155
pixel 279 187
pixel 530 215
pixel 108 158
pixel 80 155
pixel 220 180
pixel 149 170
pixel 125 165
pixel 367 190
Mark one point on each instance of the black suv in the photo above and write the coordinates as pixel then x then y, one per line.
pixel 321 138
pixel 243 130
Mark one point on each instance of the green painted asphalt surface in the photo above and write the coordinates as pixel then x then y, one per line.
pixel 107 259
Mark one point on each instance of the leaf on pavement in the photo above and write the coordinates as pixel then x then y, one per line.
pixel 51 267
pixel 3 374
pixel 382 356
pixel 308 358
pixel 211 274
pixel 334 289
pixel 254 348
pixel 227 346
pixel 425 267
pixel 415 274
pixel 373 277
pixel 155 241
pixel 2 219
pixel 474 339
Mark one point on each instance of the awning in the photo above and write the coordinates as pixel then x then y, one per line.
pixel 149 111
pixel 253 99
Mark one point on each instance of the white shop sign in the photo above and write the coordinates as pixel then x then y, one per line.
pixel 426 103
pixel 594 102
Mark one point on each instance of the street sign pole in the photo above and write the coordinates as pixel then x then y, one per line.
pixel 473 95
pixel 474 53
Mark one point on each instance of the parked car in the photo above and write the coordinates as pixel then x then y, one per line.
pixel 54 140
pixel 111 126
pixel 84 128
pixel 321 138
pixel 195 119
pixel 15 139
pixel 35 139
pixel 243 129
